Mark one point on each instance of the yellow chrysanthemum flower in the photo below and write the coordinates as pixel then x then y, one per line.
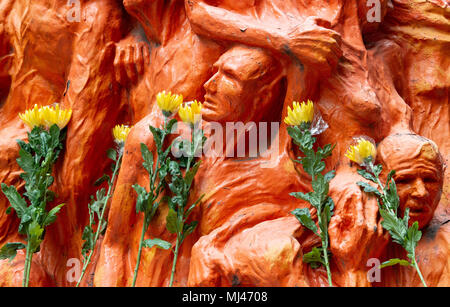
pixel 120 133
pixel 46 116
pixel 168 102
pixel 31 117
pixel 190 113
pixel 300 113
pixel 54 115
pixel 360 152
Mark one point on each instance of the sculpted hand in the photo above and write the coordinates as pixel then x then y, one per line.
pixel 356 234
pixel 315 45
pixel 130 61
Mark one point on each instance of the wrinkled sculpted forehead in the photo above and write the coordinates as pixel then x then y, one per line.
pixel 411 153
pixel 247 63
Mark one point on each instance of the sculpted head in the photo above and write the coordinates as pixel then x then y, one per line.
pixel 419 173
pixel 245 86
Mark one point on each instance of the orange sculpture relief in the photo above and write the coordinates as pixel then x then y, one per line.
pixel 247 61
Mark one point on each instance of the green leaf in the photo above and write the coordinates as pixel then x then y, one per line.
pixel 413 236
pixel 189 176
pixel 26 161
pixel 377 170
pixel 394 225
pixel 172 221
pixel 174 168
pixel 392 200
pixel 157 137
pixel 304 217
pixel 149 243
pixel 102 179
pixel 147 155
pixel 309 197
pixel 329 176
pixel 35 236
pixel 171 126
pixel 88 237
pixel 112 154
pixel 314 258
pixel 143 198
pixel 51 216
pixel 367 175
pixel 368 188
pixel 16 201
pixel 189 228
pixel 9 250
pixel 390 176
pixel 394 261
pixel 188 211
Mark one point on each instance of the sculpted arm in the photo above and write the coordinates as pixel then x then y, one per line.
pixel 309 41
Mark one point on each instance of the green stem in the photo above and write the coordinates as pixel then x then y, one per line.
pixel 100 222
pixel 174 261
pixel 138 261
pixel 418 270
pixel 325 252
pixel 27 265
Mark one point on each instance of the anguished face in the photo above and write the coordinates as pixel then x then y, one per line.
pixel 419 174
pixel 241 89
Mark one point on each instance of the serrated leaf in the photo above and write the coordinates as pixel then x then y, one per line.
pixel 413 236
pixel 26 161
pixel 9 250
pixel 149 243
pixel 368 188
pixel 366 175
pixel 394 226
pixel 14 198
pixel 157 137
pixel 304 217
pixel 147 155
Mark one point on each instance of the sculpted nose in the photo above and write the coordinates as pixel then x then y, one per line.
pixel 419 189
pixel 211 85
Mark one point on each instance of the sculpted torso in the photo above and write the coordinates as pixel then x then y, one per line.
pixel 247 61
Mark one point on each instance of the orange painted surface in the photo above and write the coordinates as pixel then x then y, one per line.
pixel 248 60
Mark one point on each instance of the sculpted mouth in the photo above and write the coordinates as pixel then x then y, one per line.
pixel 209 103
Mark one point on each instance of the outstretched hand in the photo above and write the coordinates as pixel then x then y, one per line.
pixel 130 62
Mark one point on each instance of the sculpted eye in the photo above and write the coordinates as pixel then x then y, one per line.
pixel 403 180
pixel 429 180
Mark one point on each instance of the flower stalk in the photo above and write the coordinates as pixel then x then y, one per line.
pixel 37 158
pixel 98 206
pixel 300 120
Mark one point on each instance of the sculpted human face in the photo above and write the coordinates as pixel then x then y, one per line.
pixel 419 175
pixel 419 189
pixel 234 92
